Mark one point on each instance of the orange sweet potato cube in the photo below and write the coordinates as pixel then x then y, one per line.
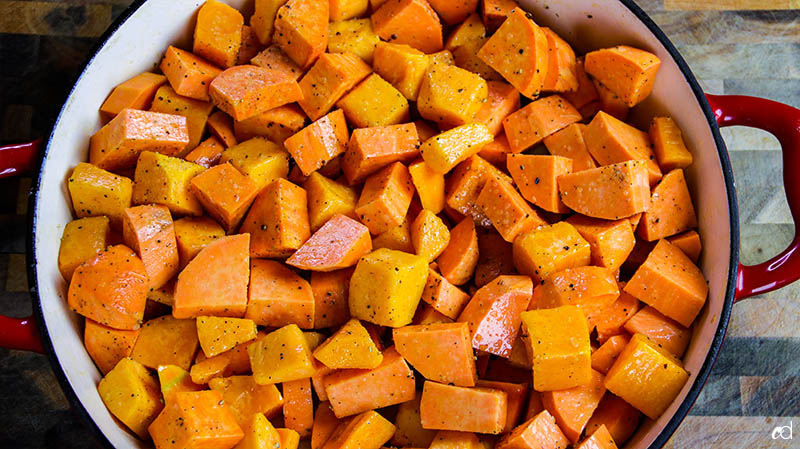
pixel 196 112
pixel 393 20
pixel 249 47
pixel 192 234
pixel 493 313
pixel 135 93
pixel 276 124
pixel 106 345
pixel 247 90
pixel 464 184
pixel 298 406
pixel 117 144
pixel 665 332
pixel 646 376
pixel 573 407
pixel 503 100
pixel 218 33
pixel 590 288
pixel 278 296
pixel 586 94
pixel 540 431
pixel 496 152
pixel 150 232
pixel 620 418
pixel 166 341
pixel 670 282
pixel 509 213
pixel 610 321
pixel 610 192
pixel 569 143
pixel 278 221
pixel 110 288
pixel 351 240
pixel 609 103
pixel 328 79
pixel 385 198
pixel 442 407
pixel 541 118
pixel 367 430
pixel 610 241
pixel 670 211
pixel 495 12
pixel 371 149
pixel 689 242
pixel 225 194
pixel 610 140
pixel 246 398
pixel 330 291
pixel 604 356
pixel 355 391
pixel 318 143
pixel 561 73
pixel 440 352
pixel 274 58
pixel 301 30
pixel 537 178
pixel 196 419
pixel 518 51
pixel 215 281
pixel 668 144
pixel 189 75
pixel 220 125
pixel 628 72
pixel 516 394
pixel 443 296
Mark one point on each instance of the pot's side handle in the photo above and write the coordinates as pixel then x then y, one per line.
pixel 784 122
pixel 19 333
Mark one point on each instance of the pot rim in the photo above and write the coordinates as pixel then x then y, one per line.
pixel 666 432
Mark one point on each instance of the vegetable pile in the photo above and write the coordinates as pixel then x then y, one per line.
pixel 342 224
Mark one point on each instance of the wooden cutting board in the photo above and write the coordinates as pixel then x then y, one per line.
pixel 733 46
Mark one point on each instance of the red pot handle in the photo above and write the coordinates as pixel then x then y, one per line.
pixel 19 333
pixel 784 122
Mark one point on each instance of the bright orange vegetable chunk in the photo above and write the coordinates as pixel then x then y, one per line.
pixel 196 419
pixel 448 407
pixel 339 243
pixel 440 352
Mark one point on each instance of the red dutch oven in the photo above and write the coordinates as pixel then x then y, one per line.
pixel 135 43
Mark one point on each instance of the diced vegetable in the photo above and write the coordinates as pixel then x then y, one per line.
pixel 663 331
pixel 412 22
pixel 349 347
pixel 282 355
pixel 107 346
pixel 131 394
pixel 189 75
pixel 540 431
pixel 218 33
pixel 217 335
pixel 670 211
pixel 225 194
pixel 298 407
pixel 550 249
pixel 278 220
pixel 538 120
pixel 301 30
pixel 611 192
pixel 135 93
pixel 328 79
pixel 320 142
pixel 629 72
pixel 83 239
pixel 351 240
pixel 374 102
pixel 166 341
pixel 201 418
pixel 371 149
pixel 278 296
pixel 440 352
pixel 537 179
pixel 573 407
pixel 448 407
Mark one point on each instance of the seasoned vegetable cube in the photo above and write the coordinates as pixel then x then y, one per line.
pixel 82 240
pixel 132 395
pixel 386 287
pixel 451 96
pixel 401 65
pixel 278 221
pixel 166 341
pixel 135 93
pixel 327 198
pixel 165 180
pixel 328 79
pixel 107 346
pixel 611 192
pixel 354 36
pixel 218 33
pixel 225 193
pixel 259 433
pixel 573 407
pixel 448 407
pixel 278 296
pixel 429 235
pixel 282 355
pixel 96 192
pixel 188 75
pixel 192 234
pixel 245 397
pixel 411 22
pixel 350 239
pixel 628 72
pixel 196 419
pixel 349 347
pixel 369 430
pixel 440 352
pixel 318 143
pixel 196 112
pixel 217 335
pixel 149 231
pixel 371 149
pixel 301 30
pixel 444 151
pixel 374 102
pixel 259 159
pixel 385 198
pixel 538 120
pixel 245 91
pixel 549 249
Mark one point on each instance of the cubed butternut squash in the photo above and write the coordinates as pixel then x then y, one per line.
pixel 217 335
pixel 368 430
pixel 259 159
pixel 354 36
pixel 192 234
pixel 374 102
pixel 429 235
pixel 166 341
pixel 165 180
pixel 283 355
pixel 429 186
pixel 349 347
pixel 446 150
pixel 132 395
pixel 550 249
pixel 451 96
pixel 328 80
pixel 318 143
pixel 82 240
pixel 301 30
pixel 218 33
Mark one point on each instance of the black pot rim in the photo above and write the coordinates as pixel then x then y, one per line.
pixel 702 374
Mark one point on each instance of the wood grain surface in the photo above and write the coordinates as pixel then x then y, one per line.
pixel 749 47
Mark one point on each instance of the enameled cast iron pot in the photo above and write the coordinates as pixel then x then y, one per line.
pixel 136 42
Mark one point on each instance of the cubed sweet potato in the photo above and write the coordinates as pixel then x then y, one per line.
pixel 135 93
pixel 215 281
pixel 465 183
pixel 328 80
pixel 670 282
pixel 495 258
pixel 509 213
pixel 278 296
pixel 629 72
pixel 516 394
pixel 536 177
pixel 225 193
pixel 448 407
pixel 573 407
pixel 493 313
pixel 247 90
pixel 174 379
pixel 117 145
pixel 218 33
pixel 371 149
pixel 619 417
pixel 689 243
pixel 670 211
pixel 611 241
pixel 561 73
pixel 538 120
pixel 356 391
pixel 610 192
pixel 385 198
pixel 278 221
pixel 451 439
pixel 274 58
pixel 610 140
pixel 665 332
pixel 558 341
pixel 610 321
pixel 351 240
pixel 167 101
pixel 590 288
pixel 298 407
pixel 569 143
pixel 412 22
pixel 132 395
pixel 668 144
pixel 539 431
pixel 149 231
pixel 440 352
pixel 330 297
pixel 318 143
pixel 189 75
pixel 196 419
pixel 604 356
pixel 110 288
pixel 446 150
pixel 443 296
pixel 107 346
pixel 301 30
pixel 502 101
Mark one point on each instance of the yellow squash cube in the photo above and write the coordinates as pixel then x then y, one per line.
pixel 83 239
pixel 366 430
pixel 354 36
pixel 450 95
pixel 258 158
pixel 549 249
pixel 165 180
pixel 397 238
pixel 429 185
pixel 386 287
pixel 327 198
pixel 290 439
pixel 444 151
pixel 96 192
pixel 166 341
pixel 374 102
pixel 402 65
pixel 281 356
pixel 347 9
pixel 217 335
pixel 174 379
pixel 192 234
pixel 245 397
pixel 646 376
pixel 259 433
pixel 132 395
pixel 350 347
pixel 429 235
pixel 558 342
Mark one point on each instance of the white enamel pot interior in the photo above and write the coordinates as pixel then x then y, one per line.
pixel 137 42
